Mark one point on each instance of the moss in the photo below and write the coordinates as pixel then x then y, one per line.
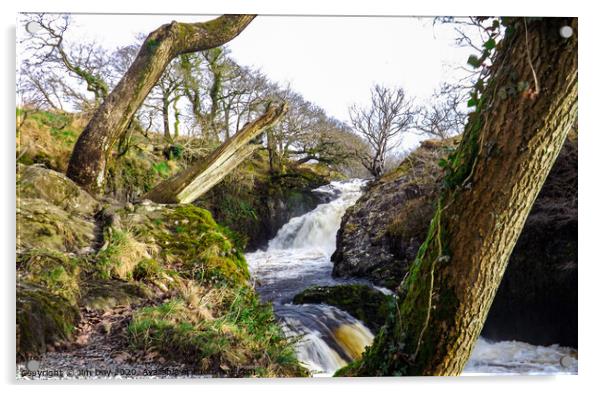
pixel 147 269
pixel 56 272
pixel 41 224
pixel 120 255
pixel 43 319
pixel 205 250
pixel 361 301
pixel 55 188
pixel 237 337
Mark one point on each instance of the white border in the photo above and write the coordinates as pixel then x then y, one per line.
pixel 590 144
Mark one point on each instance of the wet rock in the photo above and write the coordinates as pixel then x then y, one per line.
pixel 367 241
pixel 365 303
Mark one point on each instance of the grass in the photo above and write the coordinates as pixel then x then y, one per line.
pixel 221 331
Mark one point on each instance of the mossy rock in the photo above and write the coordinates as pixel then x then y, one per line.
pixel 56 272
pixel 104 295
pixel 43 319
pixel 365 303
pixel 187 238
pixel 55 188
pixel 41 224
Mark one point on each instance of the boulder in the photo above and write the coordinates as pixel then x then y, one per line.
pixel 43 319
pixel 363 302
pixel 41 224
pixel 55 188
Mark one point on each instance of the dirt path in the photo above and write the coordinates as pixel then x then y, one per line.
pixel 100 350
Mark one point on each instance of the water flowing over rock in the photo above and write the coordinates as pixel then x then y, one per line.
pixel 298 257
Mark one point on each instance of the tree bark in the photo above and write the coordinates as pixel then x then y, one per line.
pixel 200 177
pixel 89 160
pixel 493 178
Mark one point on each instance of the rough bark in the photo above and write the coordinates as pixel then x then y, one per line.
pixel 507 150
pixel 89 160
pixel 200 177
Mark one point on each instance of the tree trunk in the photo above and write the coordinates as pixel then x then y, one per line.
pixel 89 160
pixel 165 113
pixel 493 178
pixel 199 178
pixel 176 113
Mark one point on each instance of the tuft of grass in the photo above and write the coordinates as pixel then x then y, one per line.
pixel 120 255
pixel 221 331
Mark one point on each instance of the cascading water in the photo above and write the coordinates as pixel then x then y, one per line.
pixel 298 257
pixel 328 338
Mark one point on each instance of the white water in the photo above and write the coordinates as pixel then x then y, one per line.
pixel 299 257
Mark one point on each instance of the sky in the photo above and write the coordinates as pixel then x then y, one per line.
pixel 332 61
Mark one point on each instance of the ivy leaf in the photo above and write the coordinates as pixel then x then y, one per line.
pixel 472 102
pixel 490 44
pixel 522 86
pixel 474 61
pixel 443 163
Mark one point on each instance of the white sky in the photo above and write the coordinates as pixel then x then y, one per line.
pixel 331 61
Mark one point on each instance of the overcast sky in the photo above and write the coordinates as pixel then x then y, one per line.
pixel 331 61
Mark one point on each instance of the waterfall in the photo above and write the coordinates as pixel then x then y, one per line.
pixel 327 338
pixel 318 228
pixel 298 257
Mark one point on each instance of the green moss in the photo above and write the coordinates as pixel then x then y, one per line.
pixel 207 251
pixel 361 301
pixel 104 295
pixel 56 272
pixel 43 318
pixel 147 269
pixel 43 225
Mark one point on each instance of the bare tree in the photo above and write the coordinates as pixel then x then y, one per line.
pixel 382 124
pixel 445 116
pixel 87 63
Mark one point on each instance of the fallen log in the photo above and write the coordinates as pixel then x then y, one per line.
pixel 200 177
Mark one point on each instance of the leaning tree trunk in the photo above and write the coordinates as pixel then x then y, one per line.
pixel 200 177
pixel 89 160
pixel 493 178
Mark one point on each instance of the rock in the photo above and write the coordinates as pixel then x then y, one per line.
pixel 365 303
pixel 42 319
pixel 101 295
pixel 537 298
pixel 55 188
pixel 366 241
pixel 41 224
pixel 54 271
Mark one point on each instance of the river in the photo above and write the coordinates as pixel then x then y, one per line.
pixel 328 338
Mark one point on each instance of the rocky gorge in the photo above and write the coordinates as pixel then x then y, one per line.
pixel 537 299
